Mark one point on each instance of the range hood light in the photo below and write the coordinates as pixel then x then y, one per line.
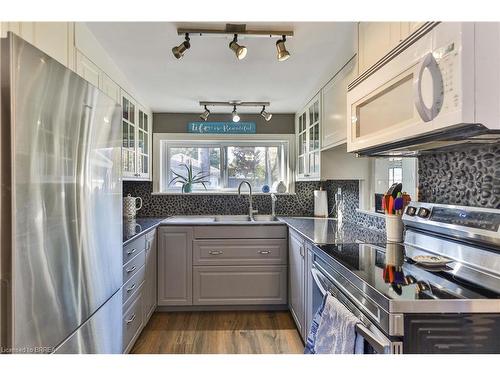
pixel 179 50
pixel 205 114
pixel 239 51
pixel 236 118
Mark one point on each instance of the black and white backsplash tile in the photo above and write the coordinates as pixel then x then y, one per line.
pixel 299 204
pixel 469 176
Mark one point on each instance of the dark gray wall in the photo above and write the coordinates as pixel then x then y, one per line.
pixel 177 122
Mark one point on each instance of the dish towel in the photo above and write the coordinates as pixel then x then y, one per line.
pixel 333 330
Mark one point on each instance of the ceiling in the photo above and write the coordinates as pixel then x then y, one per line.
pixel 209 71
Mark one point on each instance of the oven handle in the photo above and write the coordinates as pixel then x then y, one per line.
pixel 379 342
pixel 428 114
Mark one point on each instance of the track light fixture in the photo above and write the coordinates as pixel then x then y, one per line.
pixel 205 114
pixel 283 54
pixel 239 50
pixel 179 50
pixel 267 116
pixel 235 103
pixel 235 30
pixel 236 117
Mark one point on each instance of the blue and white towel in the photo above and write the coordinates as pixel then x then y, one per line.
pixel 333 330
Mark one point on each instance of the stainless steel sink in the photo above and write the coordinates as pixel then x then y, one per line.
pixel 190 219
pixel 231 218
pixel 265 218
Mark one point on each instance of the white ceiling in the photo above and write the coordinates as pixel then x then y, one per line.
pixel 210 71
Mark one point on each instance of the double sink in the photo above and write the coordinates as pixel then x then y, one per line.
pixel 222 219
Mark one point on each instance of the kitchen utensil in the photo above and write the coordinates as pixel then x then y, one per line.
pixel 390 208
pixel 398 204
pixel 396 188
pixel 431 260
pixel 130 206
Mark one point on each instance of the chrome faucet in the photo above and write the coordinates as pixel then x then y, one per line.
pixel 273 205
pixel 250 208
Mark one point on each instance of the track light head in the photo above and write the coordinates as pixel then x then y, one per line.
pixel 283 54
pixel 236 118
pixel 239 51
pixel 267 116
pixel 205 114
pixel 179 50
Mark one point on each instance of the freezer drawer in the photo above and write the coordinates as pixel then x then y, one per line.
pixel 239 252
pixel 101 334
pixel 239 285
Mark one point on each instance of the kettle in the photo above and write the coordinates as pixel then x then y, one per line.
pixel 130 205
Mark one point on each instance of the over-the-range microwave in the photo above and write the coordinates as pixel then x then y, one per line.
pixel 438 88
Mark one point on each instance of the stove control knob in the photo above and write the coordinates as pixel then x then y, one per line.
pixel 411 211
pixel 424 213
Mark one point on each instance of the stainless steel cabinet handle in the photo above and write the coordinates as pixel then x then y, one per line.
pixel 215 252
pixel 130 288
pixel 131 319
pixel 264 252
pixel 130 252
pixel 128 270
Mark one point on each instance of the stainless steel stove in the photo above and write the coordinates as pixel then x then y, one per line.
pixel 406 307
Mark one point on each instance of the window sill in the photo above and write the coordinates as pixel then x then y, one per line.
pixel 371 213
pixel 218 193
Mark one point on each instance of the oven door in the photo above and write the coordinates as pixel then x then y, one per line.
pixel 375 341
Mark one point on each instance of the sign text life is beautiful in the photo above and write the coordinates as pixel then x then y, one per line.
pixel 221 127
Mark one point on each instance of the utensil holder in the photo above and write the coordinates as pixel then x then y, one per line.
pixel 394 228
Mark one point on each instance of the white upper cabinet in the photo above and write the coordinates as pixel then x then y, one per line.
pixel 334 110
pixel 53 38
pixel 87 69
pixel 308 125
pixel 376 39
pixel 109 87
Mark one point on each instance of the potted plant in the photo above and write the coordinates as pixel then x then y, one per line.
pixel 189 180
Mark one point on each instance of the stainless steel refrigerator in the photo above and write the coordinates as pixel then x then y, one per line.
pixel 60 206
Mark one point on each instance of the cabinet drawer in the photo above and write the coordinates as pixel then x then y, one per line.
pixel 239 285
pixel 133 248
pixel 239 252
pixel 133 284
pixel 240 231
pixel 131 268
pixel 132 323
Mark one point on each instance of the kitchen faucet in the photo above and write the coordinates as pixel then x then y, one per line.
pixel 273 205
pixel 251 211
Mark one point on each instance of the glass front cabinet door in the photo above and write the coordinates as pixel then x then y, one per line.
pixel 136 148
pixel 308 123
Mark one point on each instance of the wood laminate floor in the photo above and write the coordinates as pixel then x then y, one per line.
pixel 220 332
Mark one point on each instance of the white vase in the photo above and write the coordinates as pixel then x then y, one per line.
pixel 281 188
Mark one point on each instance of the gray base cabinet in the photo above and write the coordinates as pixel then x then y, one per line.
pixel 139 286
pixel 239 285
pixel 175 266
pixel 222 265
pixel 296 287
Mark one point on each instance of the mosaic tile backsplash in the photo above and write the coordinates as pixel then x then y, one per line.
pixel 299 204
pixel 467 177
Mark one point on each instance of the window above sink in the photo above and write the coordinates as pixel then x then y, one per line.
pixel 223 161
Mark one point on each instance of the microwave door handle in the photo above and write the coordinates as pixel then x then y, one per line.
pixel 428 114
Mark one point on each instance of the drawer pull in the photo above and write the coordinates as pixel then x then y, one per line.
pixel 128 270
pixel 130 320
pixel 215 252
pixel 130 288
pixel 130 252
pixel 264 252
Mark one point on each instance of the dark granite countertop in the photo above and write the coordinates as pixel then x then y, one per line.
pixel 328 231
pixel 133 228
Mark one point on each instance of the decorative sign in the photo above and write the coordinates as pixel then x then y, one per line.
pixel 222 127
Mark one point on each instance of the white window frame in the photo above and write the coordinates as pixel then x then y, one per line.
pixel 161 163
